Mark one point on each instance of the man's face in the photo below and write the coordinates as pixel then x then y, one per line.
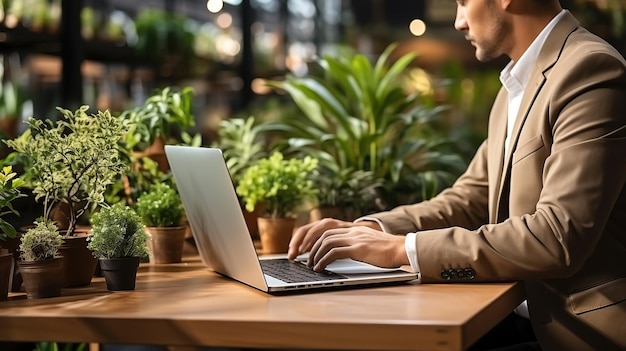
pixel 484 25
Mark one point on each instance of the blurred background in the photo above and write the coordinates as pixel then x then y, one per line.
pixel 112 54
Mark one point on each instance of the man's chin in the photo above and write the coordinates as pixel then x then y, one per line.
pixel 483 56
pixel 480 56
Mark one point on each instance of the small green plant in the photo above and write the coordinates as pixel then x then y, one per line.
pixel 165 115
pixel 72 160
pixel 279 184
pixel 161 206
pixel 9 191
pixel 117 231
pixel 41 242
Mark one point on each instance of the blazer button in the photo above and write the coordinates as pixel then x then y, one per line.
pixel 452 273
pixel 469 273
pixel 445 275
pixel 460 273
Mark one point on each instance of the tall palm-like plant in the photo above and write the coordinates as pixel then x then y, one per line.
pixel 358 115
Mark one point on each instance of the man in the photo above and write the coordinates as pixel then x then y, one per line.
pixel 543 201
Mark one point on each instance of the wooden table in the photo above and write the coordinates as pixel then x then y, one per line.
pixel 188 305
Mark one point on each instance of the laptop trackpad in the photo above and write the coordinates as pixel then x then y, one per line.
pixel 349 266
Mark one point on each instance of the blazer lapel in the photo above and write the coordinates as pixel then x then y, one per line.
pixel 547 58
pixel 497 136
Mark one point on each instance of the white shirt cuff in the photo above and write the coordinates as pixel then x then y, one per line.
pixel 411 251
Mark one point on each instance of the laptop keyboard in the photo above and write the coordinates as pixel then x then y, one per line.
pixel 295 272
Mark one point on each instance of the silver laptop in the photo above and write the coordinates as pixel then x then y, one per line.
pixel 225 244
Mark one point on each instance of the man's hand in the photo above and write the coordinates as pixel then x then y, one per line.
pixel 358 243
pixel 305 236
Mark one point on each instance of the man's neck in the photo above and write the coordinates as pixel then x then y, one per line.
pixel 526 27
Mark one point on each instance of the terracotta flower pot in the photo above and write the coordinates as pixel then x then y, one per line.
pixel 166 244
pixel 79 264
pixel 120 273
pixel 41 278
pixel 275 234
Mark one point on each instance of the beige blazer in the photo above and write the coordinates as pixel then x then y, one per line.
pixel 552 213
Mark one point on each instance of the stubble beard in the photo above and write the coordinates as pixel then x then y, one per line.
pixel 491 48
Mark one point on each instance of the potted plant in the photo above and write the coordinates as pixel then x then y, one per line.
pixel 9 191
pixel 164 118
pixel 71 162
pixel 119 241
pixel 361 116
pixel 280 186
pixel 161 211
pixel 40 264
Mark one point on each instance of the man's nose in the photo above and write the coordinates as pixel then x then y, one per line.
pixel 460 23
